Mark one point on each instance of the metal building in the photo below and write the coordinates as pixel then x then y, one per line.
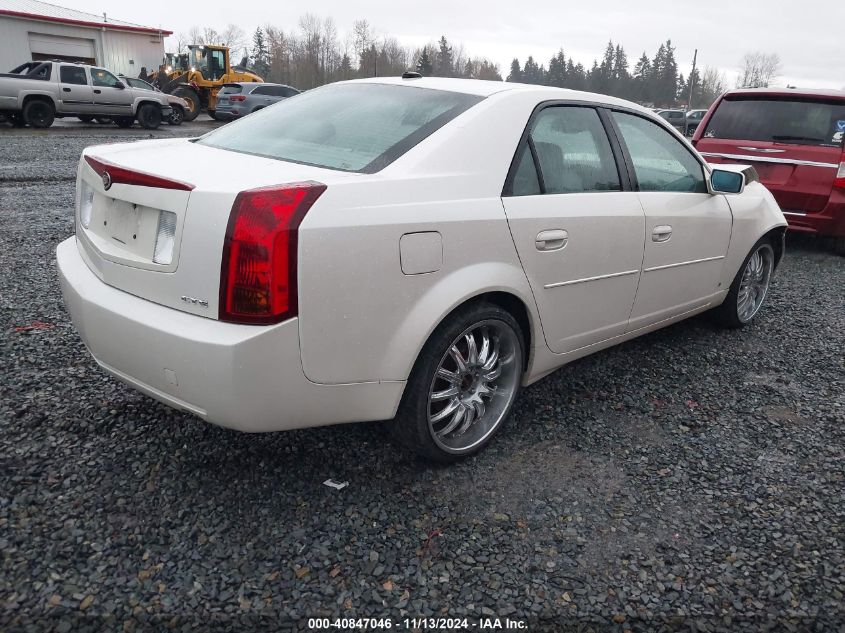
pixel 33 30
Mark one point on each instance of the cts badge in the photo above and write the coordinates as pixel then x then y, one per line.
pixel 194 301
pixel 106 180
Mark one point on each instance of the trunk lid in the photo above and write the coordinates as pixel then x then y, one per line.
pixel 157 230
pixel 794 142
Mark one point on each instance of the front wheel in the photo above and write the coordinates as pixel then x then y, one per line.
pixel 149 116
pixel 463 385
pixel 839 245
pixel 193 100
pixel 749 288
pixel 177 116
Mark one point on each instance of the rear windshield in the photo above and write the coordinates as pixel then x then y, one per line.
pixel 231 89
pixel 785 120
pixel 349 127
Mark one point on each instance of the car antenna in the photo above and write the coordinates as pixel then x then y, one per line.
pixel 411 74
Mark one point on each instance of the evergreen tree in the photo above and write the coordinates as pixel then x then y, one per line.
pixel 621 76
pixel 516 72
pixel 576 78
pixel 532 73
pixel 604 82
pixel 424 65
pixel 594 82
pixel 345 69
pixel 641 80
pixel 443 63
pixel 260 53
pixel 556 76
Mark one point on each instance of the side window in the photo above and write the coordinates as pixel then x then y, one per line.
pixel 217 64
pixel 661 162
pixel 73 75
pixel 103 78
pixel 263 90
pixel 525 181
pixel 289 92
pixel 573 151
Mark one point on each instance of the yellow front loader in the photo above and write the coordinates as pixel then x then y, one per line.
pixel 198 75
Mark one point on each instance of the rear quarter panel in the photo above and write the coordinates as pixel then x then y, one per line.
pixel 361 317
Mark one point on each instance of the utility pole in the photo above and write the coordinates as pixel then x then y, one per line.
pixel 692 80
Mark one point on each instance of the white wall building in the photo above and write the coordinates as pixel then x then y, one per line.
pixel 33 30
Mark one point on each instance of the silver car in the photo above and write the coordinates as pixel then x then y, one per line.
pixel 239 99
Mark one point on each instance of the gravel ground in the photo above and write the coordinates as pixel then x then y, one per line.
pixel 693 479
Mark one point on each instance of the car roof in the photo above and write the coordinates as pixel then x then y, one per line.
pixel 828 93
pixel 255 84
pixel 485 88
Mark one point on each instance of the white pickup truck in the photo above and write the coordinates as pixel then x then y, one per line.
pixel 36 93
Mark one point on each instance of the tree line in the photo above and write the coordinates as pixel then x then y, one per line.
pixel 653 80
pixel 314 53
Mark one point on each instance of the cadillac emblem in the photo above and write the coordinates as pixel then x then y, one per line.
pixel 106 180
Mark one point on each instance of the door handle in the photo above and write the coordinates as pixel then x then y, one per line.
pixel 65 89
pixel 96 92
pixel 551 240
pixel 661 233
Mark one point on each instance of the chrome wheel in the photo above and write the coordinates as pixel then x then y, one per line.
pixel 474 385
pixel 754 283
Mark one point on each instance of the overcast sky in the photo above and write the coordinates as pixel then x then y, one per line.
pixel 807 35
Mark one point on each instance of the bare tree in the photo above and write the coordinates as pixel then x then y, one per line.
pixel 713 83
pixel 362 38
pixel 758 70
pixel 234 37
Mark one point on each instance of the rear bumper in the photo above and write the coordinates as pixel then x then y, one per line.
pixel 828 221
pixel 226 115
pixel 247 378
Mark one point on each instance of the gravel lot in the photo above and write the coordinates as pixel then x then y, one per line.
pixel 693 479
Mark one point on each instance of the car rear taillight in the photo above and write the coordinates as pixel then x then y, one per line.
pixel 258 272
pixel 839 181
pixel 237 98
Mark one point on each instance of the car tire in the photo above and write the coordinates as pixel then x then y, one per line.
pixel 213 114
pixel 85 118
pixel 149 116
pixel 460 393
pixel 749 288
pixel 124 121
pixel 177 116
pixel 839 245
pixel 193 100
pixel 39 113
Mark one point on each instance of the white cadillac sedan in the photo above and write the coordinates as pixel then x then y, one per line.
pixel 413 250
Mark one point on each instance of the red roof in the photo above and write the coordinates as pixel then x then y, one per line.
pixel 45 12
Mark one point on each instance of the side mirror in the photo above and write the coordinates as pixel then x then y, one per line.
pixel 724 181
pixel 120 85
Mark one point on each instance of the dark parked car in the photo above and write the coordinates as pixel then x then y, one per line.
pixel 693 120
pixel 676 118
pixel 238 99
pixel 794 138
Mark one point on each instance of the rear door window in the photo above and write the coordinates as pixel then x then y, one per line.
pixel 572 153
pixel 73 75
pixel 779 120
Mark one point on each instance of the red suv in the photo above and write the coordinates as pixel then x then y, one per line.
pixel 794 138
